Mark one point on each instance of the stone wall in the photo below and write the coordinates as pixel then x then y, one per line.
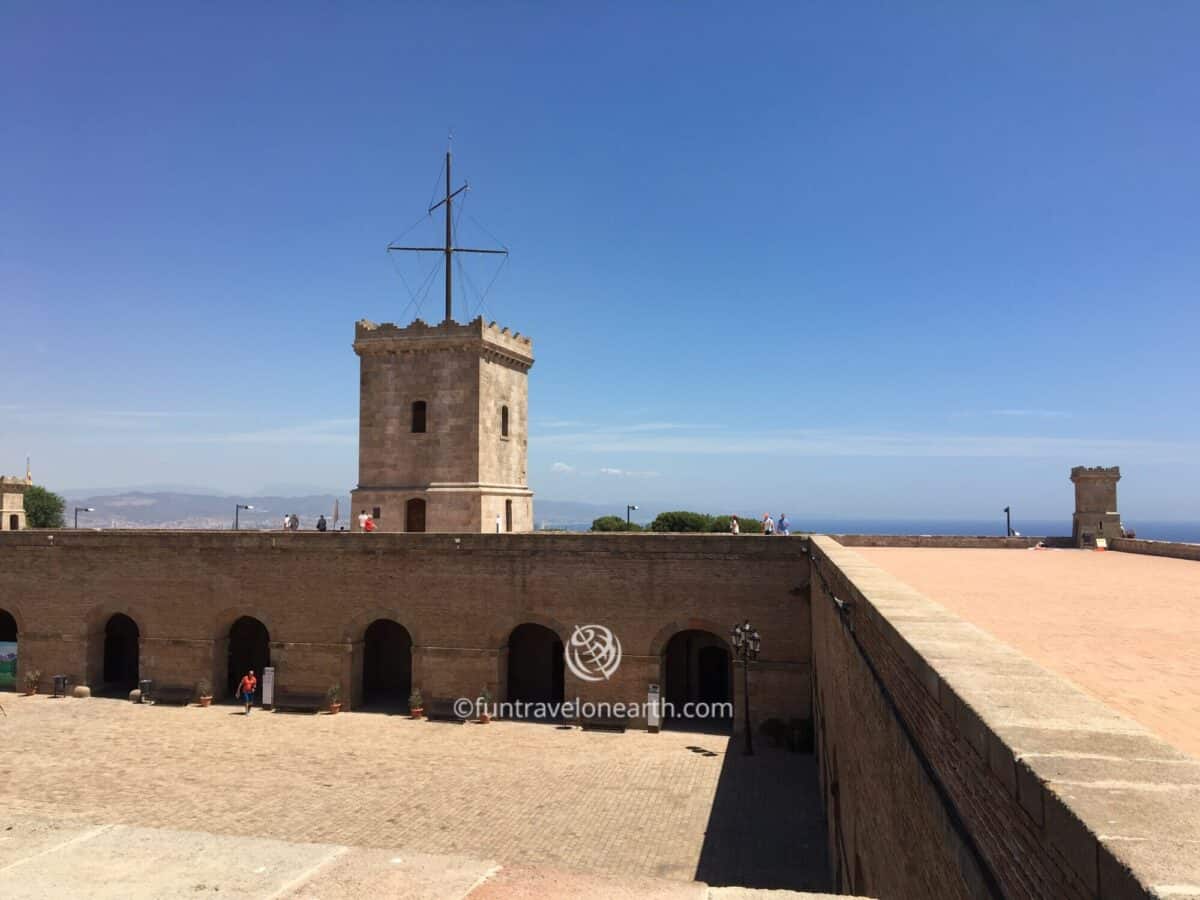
pixel 459 597
pixel 1156 548
pixel 953 766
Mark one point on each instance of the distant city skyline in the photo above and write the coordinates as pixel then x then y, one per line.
pixel 899 264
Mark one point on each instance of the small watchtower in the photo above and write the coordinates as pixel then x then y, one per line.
pixel 1096 513
pixel 12 502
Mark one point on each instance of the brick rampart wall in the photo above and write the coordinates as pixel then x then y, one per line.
pixel 459 596
pixel 953 766
pixel 1156 548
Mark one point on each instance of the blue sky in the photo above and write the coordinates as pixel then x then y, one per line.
pixel 860 261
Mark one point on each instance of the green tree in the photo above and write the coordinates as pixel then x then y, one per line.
pixel 681 520
pixel 746 524
pixel 614 523
pixel 43 508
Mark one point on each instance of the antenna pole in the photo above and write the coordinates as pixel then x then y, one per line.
pixel 449 245
pixel 448 249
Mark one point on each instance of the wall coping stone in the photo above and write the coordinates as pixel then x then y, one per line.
pixel 1118 803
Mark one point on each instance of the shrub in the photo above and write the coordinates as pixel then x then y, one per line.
pixel 681 520
pixel 614 523
pixel 746 524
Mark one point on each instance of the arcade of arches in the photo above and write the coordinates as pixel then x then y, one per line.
pixel 380 615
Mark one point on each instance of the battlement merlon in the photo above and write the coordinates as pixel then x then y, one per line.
pixel 1110 473
pixel 420 337
pixel 15 484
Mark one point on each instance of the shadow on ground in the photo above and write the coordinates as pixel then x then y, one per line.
pixel 766 828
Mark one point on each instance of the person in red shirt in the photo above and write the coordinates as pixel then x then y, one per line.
pixel 369 525
pixel 247 688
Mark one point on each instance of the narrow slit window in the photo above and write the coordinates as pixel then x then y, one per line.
pixel 508 515
pixel 418 417
pixel 504 421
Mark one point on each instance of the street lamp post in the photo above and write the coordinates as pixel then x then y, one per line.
pixel 1008 521
pixel 80 509
pixel 237 509
pixel 746 644
pixel 628 510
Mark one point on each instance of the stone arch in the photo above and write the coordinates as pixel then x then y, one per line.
pixel 500 636
pixel 695 664
pixel 246 645
pixel 92 632
pixel 659 643
pixel 534 670
pixel 356 629
pixel 383 669
pixel 10 632
pixel 122 652
pixel 223 621
pixel 15 612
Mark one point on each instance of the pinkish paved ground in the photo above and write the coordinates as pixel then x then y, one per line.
pixel 1123 626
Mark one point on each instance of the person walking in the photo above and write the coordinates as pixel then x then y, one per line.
pixel 362 520
pixel 294 524
pixel 497 523
pixel 287 521
pixel 734 527
pixel 247 688
pixel 768 524
pixel 369 525
pixel 785 527
pixel 321 524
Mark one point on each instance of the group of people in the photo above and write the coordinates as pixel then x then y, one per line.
pixel 769 525
pixel 291 522
pixel 365 522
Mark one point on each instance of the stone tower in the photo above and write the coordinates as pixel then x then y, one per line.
pixel 443 427
pixel 1096 513
pixel 12 503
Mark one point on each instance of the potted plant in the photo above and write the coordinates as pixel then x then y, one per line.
pixel 485 706
pixel 32 678
pixel 334 694
pixel 416 704
pixel 203 692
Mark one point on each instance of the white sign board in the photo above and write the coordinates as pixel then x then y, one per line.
pixel 653 709
pixel 268 686
pixel 1101 544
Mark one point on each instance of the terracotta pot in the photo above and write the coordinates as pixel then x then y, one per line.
pixel 484 718
pixel 205 701
pixel 30 691
pixel 335 708
pixel 417 711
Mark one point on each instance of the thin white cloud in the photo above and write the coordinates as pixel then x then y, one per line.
pixel 561 467
pixel 671 426
pixel 626 473
pixel 837 442
pixel 1032 413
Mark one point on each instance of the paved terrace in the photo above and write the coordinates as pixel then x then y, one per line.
pixel 105 798
pixel 1122 626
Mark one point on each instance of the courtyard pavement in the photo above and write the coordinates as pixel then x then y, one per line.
pixel 133 790
pixel 1123 626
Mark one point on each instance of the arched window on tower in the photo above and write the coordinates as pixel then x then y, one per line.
pixel 418 417
pixel 504 421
